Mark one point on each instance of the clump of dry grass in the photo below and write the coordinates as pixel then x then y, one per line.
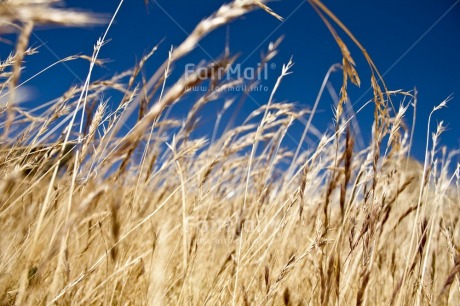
pixel 158 216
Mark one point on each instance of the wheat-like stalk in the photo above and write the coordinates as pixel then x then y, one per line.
pixel 42 12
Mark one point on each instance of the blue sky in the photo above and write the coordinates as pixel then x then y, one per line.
pixel 413 43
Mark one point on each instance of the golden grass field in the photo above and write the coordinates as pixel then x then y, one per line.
pixel 158 217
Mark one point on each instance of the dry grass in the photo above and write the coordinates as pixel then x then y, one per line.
pixel 160 217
